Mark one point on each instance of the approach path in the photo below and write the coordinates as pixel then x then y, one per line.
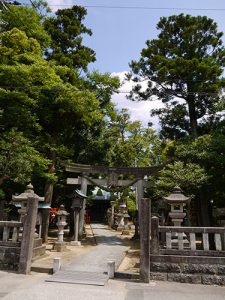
pixel 109 247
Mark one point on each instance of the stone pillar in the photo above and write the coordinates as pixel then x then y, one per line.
pixel 139 191
pixel 139 196
pixel 111 222
pixel 27 243
pixel 111 268
pixel 84 184
pixel 155 236
pixel 56 264
pixel 145 226
pixel 75 242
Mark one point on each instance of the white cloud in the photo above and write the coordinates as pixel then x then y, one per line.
pixel 59 4
pixel 138 110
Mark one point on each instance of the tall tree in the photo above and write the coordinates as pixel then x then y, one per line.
pixel 66 29
pixel 186 61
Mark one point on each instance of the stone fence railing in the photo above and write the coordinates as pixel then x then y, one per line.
pixel 187 254
pixel 10 245
pixel 169 240
pixel 9 233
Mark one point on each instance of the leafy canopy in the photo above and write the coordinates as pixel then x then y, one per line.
pixel 185 61
pixel 27 20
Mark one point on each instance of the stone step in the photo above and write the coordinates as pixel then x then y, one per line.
pixel 37 242
pixel 42 269
pixel 39 251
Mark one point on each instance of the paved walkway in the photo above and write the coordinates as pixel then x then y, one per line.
pixel 109 247
pixel 34 287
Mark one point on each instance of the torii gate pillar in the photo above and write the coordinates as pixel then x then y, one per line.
pixel 84 185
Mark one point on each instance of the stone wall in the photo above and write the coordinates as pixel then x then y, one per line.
pixel 9 258
pixel 202 273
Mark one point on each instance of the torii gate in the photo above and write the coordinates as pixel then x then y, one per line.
pixel 112 181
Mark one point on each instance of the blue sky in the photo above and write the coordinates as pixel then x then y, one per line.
pixel 120 34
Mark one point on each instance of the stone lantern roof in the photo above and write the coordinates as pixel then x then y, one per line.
pixel 62 211
pixel 77 193
pixel 177 197
pixel 29 193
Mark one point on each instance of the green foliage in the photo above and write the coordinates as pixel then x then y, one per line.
pixel 103 85
pixel 130 143
pixel 208 152
pixel 190 177
pixel 27 20
pixel 2 194
pixel 19 160
pixel 173 121
pixel 17 47
pixel 131 204
pixel 185 61
pixel 66 30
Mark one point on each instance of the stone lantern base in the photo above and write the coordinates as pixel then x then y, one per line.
pixel 75 243
pixel 126 231
pixel 60 246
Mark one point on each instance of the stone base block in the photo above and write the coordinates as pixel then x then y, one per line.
pixel 126 232
pixel 185 278
pixel 221 270
pixel 213 280
pixel 120 228
pixel 158 276
pixel 75 243
pixel 60 247
pixel 38 252
pixel 37 242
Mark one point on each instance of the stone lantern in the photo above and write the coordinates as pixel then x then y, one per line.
pixel 112 213
pixel 77 204
pixel 126 230
pixel 23 198
pixel 62 214
pixel 177 201
pixel 22 202
pixel 120 215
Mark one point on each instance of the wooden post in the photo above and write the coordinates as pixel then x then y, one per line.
pixel 84 184
pixel 145 225
pixel 155 236
pixel 27 243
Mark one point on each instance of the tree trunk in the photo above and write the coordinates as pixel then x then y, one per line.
pixel 48 200
pixel 3 215
pixel 192 117
pixel 204 210
pixel 46 212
